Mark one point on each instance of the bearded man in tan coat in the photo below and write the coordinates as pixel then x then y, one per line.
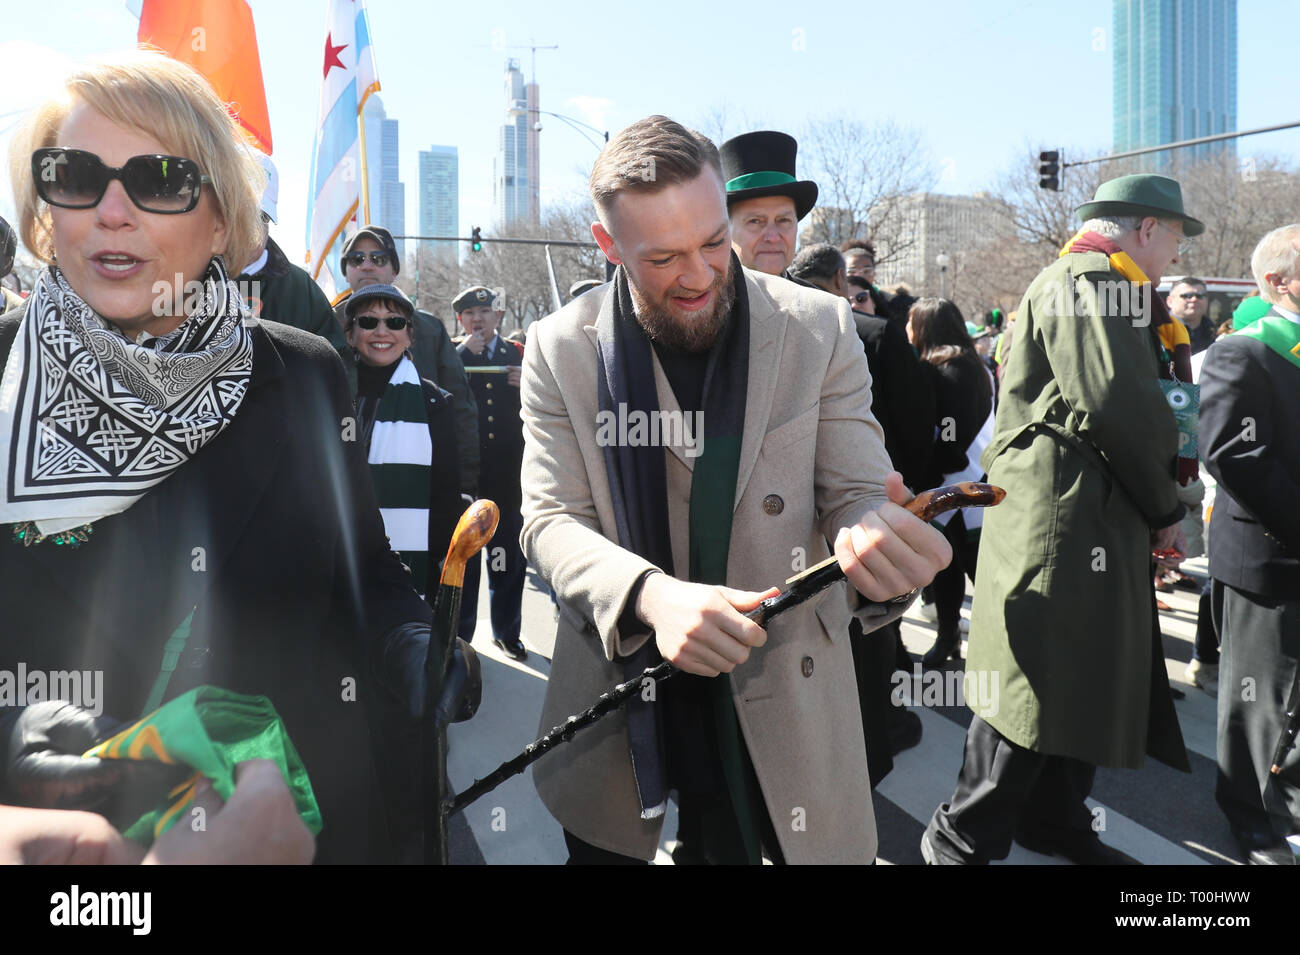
pixel 694 432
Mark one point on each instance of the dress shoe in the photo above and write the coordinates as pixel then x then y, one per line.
pixel 1184 582
pixel 947 643
pixel 1204 675
pixel 1262 847
pixel 903 732
pixel 515 651
pixel 1273 855
pixel 1081 848
pixel 684 854
pixel 1162 606
pixel 1163 587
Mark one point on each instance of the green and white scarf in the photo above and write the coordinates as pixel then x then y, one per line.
pixel 400 452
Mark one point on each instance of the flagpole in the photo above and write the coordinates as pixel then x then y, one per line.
pixel 365 170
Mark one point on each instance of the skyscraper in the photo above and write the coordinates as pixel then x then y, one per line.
pixel 515 169
pixel 387 191
pixel 440 195
pixel 1175 74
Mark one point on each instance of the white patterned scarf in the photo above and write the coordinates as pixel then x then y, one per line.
pixel 90 420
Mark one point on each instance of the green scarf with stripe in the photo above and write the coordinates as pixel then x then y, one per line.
pixel 399 455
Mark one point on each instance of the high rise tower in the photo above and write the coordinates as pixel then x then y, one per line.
pixel 1175 64
pixel 440 195
pixel 515 169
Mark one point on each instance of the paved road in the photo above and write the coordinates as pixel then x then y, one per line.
pixel 1156 814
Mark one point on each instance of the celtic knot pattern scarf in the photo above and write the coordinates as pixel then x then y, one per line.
pixel 90 420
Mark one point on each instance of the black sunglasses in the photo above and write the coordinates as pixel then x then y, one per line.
pixel 376 258
pixel 370 322
pixel 1191 295
pixel 76 179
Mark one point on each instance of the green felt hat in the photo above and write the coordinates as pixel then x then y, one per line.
pixel 1141 195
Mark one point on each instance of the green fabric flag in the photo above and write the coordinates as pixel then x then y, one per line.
pixel 210 730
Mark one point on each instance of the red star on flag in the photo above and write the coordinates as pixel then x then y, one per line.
pixel 332 54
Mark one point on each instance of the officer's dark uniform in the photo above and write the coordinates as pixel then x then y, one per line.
pixel 501 455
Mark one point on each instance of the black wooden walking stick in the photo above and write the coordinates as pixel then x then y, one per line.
pixel 927 506
pixel 474 529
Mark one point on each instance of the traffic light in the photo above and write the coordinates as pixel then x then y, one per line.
pixel 1049 170
pixel 476 242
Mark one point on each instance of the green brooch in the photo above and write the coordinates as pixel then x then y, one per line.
pixel 25 533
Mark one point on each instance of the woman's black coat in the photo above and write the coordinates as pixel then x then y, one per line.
pixel 272 533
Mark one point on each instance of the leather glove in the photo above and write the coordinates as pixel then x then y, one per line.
pixel 463 689
pixel 399 666
pixel 402 654
pixel 44 767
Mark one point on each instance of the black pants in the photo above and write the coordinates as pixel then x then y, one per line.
pixel 875 658
pixel 950 583
pixel 1261 650
pixel 1208 609
pixel 1004 789
pixel 692 816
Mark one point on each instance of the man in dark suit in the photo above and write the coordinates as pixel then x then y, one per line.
pixel 1250 435
pixel 492 365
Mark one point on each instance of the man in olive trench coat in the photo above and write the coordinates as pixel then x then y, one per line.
pixel 1064 617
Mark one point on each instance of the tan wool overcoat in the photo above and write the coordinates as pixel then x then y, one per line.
pixel 812 461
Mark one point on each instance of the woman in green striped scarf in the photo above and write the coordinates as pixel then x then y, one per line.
pixel 405 424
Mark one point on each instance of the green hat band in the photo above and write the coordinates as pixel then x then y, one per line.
pixel 757 180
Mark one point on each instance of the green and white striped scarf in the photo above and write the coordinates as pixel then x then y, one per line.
pixel 400 452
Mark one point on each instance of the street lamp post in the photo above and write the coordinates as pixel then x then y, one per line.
pixel 577 124
pixel 943 260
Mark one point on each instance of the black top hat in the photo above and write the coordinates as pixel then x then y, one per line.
pixel 762 164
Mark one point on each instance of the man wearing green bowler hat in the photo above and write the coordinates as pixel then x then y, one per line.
pixel 765 201
pixel 1064 618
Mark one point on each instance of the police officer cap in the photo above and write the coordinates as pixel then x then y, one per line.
pixel 472 297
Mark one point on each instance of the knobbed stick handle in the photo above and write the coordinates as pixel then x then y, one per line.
pixel 927 506
pixel 474 529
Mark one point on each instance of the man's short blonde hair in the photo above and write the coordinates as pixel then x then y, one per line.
pixel 647 156
pixel 160 97
pixel 1275 253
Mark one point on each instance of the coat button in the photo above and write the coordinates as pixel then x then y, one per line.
pixel 772 504
pixel 806 666
pixel 489 386
pixel 491 435
pixel 491 419
pixel 489 401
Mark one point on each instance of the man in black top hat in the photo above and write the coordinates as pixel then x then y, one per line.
pixel 370 257
pixel 764 199
pixel 501 453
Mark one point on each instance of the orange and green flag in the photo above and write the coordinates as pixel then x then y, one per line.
pixel 216 37
pixel 211 731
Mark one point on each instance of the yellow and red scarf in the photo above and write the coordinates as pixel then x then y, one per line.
pixel 1173 333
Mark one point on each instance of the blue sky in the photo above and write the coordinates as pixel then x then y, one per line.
pixel 979 81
